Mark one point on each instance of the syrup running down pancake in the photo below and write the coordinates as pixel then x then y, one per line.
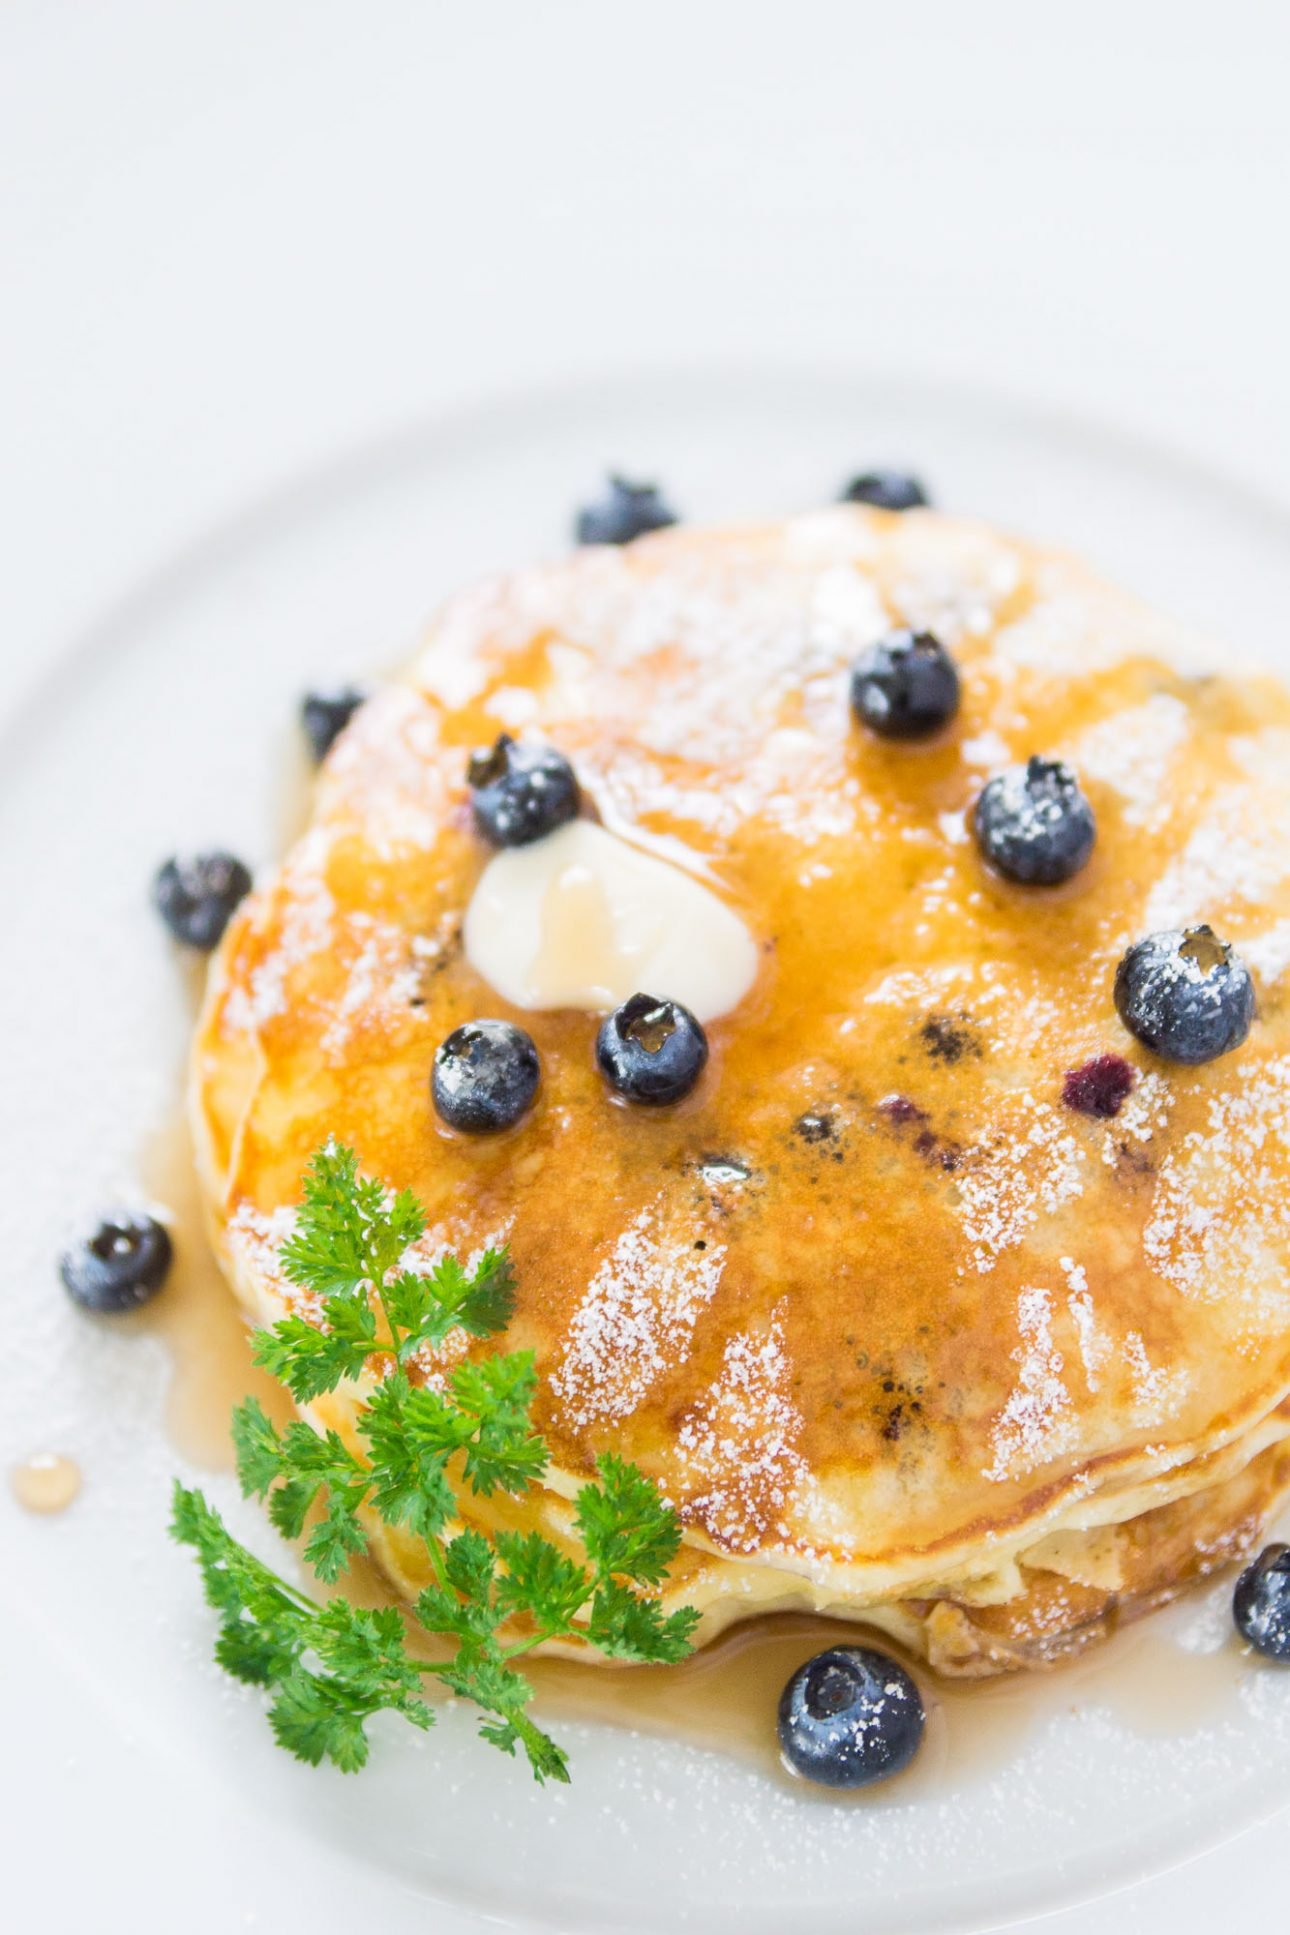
pixel 940 1301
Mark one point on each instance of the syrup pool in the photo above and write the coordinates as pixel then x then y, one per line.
pixel 725 1698
pixel 196 1318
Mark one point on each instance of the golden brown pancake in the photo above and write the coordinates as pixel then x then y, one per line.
pixel 901 1334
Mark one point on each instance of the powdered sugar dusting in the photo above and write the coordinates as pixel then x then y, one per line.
pixel 1239 851
pixel 1267 953
pixel 738 1447
pixel 636 1318
pixel 956 589
pixel 255 1238
pixel 1205 1240
pixel 1156 1392
pixel 1141 1116
pixel 1094 1344
pixel 847 609
pixel 381 978
pixel 1074 621
pixel 1037 1422
pixel 1133 753
pixel 307 929
pixel 986 749
pixel 1007 1187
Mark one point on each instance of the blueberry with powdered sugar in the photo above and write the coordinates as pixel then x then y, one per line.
pixel 521 793
pixel 1033 823
pixel 1261 1603
pixel 1185 994
pixel 118 1265
pixel 905 687
pixel 485 1077
pixel 850 1717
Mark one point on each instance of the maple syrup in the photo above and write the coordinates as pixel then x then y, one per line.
pixel 46 1483
pixel 725 1698
pixel 196 1318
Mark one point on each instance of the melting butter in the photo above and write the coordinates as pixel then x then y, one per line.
pixel 583 919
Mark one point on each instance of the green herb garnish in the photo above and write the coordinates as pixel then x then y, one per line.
pixel 496 1595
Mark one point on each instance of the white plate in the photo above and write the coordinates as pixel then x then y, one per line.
pixel 170 725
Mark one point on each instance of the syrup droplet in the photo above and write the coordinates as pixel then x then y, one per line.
pixel 46 1483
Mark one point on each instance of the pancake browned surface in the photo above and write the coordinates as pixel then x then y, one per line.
pixel 894 1328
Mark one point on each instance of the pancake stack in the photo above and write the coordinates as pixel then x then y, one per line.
pixel 912 1320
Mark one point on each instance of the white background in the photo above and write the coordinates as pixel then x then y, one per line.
pixel 238 237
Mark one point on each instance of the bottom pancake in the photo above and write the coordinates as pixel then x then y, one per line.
pixel 1056 1613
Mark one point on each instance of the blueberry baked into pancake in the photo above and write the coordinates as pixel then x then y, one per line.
pixel 840 961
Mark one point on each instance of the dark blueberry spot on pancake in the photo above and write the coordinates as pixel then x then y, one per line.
pixel 899 1109
pixel 1099 1087
pixel 1131 1159
pixel 949 1038
pixel 903 1113
pixel 946 1155
pixel 625 511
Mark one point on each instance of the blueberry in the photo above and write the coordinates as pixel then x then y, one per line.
pixel 196 898
pixel 120 1266
pixel 485 1076
pixel 626 511
pixel 1261 1603
pixel 1185 994
pixel 905 687
pixel 325 715
pixel 886 490
pixel 651 1051
pixel 521 793
pixel 1034 824
pixel 850 1717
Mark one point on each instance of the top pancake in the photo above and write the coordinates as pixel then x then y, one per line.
pixel 872 1340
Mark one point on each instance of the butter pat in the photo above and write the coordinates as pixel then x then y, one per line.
pixel 583 919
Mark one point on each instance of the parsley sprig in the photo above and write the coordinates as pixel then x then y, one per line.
pixel 329 1667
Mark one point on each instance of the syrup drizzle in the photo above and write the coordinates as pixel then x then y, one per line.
pixel 725 1698
pixel 197 1319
